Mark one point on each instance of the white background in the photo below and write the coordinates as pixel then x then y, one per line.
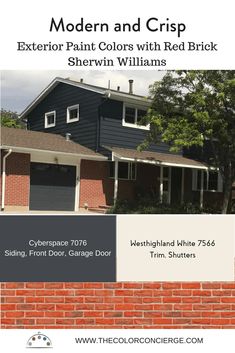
pixel 29 21
pixel 64 341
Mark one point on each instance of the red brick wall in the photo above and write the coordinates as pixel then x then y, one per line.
pixel 17 179
pixel 96 188
pixel 118 305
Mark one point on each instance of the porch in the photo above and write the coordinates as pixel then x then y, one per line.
pixel 168 178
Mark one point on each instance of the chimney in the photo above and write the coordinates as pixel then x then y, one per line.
pixel 118 88
pixel 81 80
pixel 131 86
pixel 68 136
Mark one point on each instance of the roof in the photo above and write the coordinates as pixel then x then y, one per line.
pixel 168 159
pixel 40 141
pixel 109 93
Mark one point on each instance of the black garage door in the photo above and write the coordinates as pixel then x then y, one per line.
pixel 52 187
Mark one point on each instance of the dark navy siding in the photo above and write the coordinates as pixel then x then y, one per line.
pixel 100 119
pixel 112 133
pixel 82 131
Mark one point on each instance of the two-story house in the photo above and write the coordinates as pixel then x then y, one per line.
pixel 80 151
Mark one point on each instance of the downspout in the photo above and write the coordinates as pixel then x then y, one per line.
pixel 4 179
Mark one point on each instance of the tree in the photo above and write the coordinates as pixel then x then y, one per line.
pixel 11 119
pixel 192 108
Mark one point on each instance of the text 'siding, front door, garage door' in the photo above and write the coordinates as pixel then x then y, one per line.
pixel 52 187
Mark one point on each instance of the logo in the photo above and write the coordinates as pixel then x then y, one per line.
pixel 39 341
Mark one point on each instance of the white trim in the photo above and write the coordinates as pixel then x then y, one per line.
pixel 135 125
pixel 168 164
pixel 70 163
pixel 111 93
pixel 80 155
pixel 46 125
pixel 201 190
pixel 167 179
pixel 77 188
pixel 50 87
pixel 129 171
pixel 4 179
pixel 161 185
pixel 72 107
pixel 219 181
pixel 138 101
pixel 115 181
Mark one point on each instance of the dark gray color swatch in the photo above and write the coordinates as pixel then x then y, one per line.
pixel 21 261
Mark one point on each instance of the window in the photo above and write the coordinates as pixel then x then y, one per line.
pixel 50 119
pixel 132 117
pixel 126 171
pixel 212 180
pixel 73 113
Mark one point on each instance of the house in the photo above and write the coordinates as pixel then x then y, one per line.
pixel 80 150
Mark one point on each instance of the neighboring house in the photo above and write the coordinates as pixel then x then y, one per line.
pixel 80 150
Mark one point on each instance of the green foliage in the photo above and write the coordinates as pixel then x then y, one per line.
pixel 11 119
pixel 191 108
pixel 145 205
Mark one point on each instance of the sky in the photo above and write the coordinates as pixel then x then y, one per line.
pixel 20 88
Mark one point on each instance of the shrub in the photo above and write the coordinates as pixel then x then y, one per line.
pixel 146 205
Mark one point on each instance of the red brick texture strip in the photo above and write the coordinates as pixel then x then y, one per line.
pixel 142 305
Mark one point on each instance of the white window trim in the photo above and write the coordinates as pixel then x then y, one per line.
pixel 129 177
pixel 46 125
pixel 219 182
pixel 76 106
pixel 135 125
pixel 161 179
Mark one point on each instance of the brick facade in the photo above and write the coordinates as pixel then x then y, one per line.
pixel 97 188
pixel 118 305
pixel 17 179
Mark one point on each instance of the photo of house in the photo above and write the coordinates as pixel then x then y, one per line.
pixel 80 152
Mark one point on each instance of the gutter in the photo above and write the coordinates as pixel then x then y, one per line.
pixel 80 155
pixel 155 162
pixel 4 179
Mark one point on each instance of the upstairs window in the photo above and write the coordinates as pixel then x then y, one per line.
pixel 126 170
pixel 132 117
pixel 50 119
pixel 73 113
pixel 212 180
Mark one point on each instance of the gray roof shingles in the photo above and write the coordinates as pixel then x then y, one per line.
pixel 41 141
pixel 157 157
pixel 10 137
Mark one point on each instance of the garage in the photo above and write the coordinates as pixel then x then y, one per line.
pixel 52 187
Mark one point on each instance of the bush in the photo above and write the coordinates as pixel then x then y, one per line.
pixel 146 205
